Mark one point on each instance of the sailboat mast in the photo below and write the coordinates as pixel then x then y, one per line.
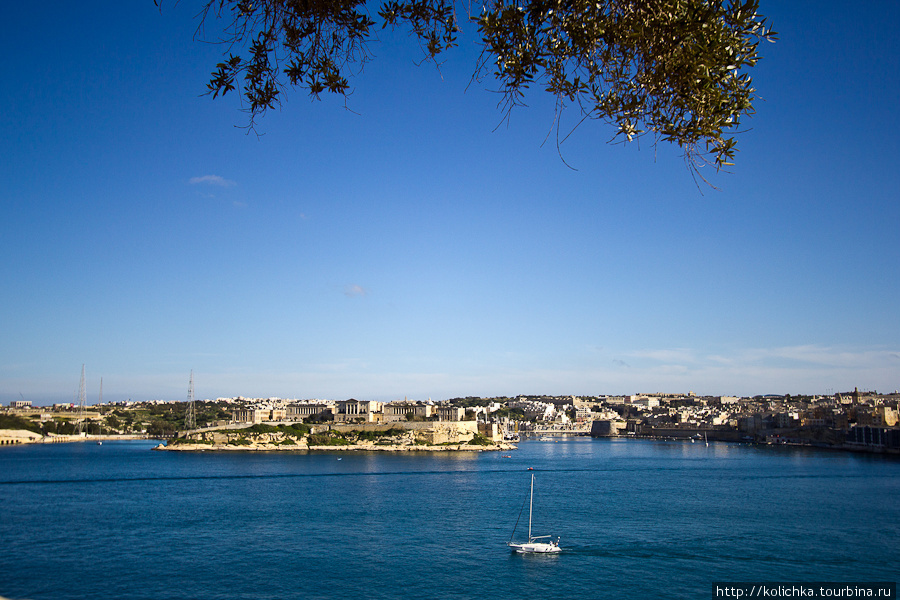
pixel 530 505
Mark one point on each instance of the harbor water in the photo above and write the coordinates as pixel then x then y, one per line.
pixel 636 519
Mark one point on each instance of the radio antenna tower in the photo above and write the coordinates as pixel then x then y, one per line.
pixel 79 425
pixel 190 415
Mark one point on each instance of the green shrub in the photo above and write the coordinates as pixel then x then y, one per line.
pixel 367 436
pixel 176 441
pixel 14 422
pixel 372 436
pixel 332 438
pixel 260 428
pixel 292 429
pixel 299 429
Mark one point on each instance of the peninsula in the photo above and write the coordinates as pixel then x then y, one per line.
pixel 397 437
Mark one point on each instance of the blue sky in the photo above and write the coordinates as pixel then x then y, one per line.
pixel 411 247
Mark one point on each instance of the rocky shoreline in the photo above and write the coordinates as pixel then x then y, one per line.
pixel 303 447
pixel 298 437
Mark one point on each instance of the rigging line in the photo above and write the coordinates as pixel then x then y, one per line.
pixel 517 520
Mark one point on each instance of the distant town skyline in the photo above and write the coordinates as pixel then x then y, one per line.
pixel 410 246
pixel 92 396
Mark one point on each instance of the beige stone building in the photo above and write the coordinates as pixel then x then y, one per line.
pixel 303 410
pixel 360 411
pixel 451 413
pixel 400 411
pixel 258 415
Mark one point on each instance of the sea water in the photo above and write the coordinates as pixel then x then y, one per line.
pixel 636 519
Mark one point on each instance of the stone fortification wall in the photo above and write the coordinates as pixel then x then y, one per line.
pixel 606 428
pixel 18 436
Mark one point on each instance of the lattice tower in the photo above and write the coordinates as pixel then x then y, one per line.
pixel 190 415
pixel 79 425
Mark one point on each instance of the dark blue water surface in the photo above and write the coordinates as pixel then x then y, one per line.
pixel 638 519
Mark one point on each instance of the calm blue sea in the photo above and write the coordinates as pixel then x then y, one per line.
pixel 637 519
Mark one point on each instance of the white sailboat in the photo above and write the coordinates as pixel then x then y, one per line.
pixel 532 546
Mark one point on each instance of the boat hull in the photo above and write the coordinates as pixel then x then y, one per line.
pixel 535 548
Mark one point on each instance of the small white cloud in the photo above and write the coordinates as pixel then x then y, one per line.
pixel 354 291
pixel 682 355
pixel 212 180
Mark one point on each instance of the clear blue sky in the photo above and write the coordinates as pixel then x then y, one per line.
pixel 412 248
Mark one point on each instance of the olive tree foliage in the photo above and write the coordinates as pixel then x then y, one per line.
pixel 676 70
